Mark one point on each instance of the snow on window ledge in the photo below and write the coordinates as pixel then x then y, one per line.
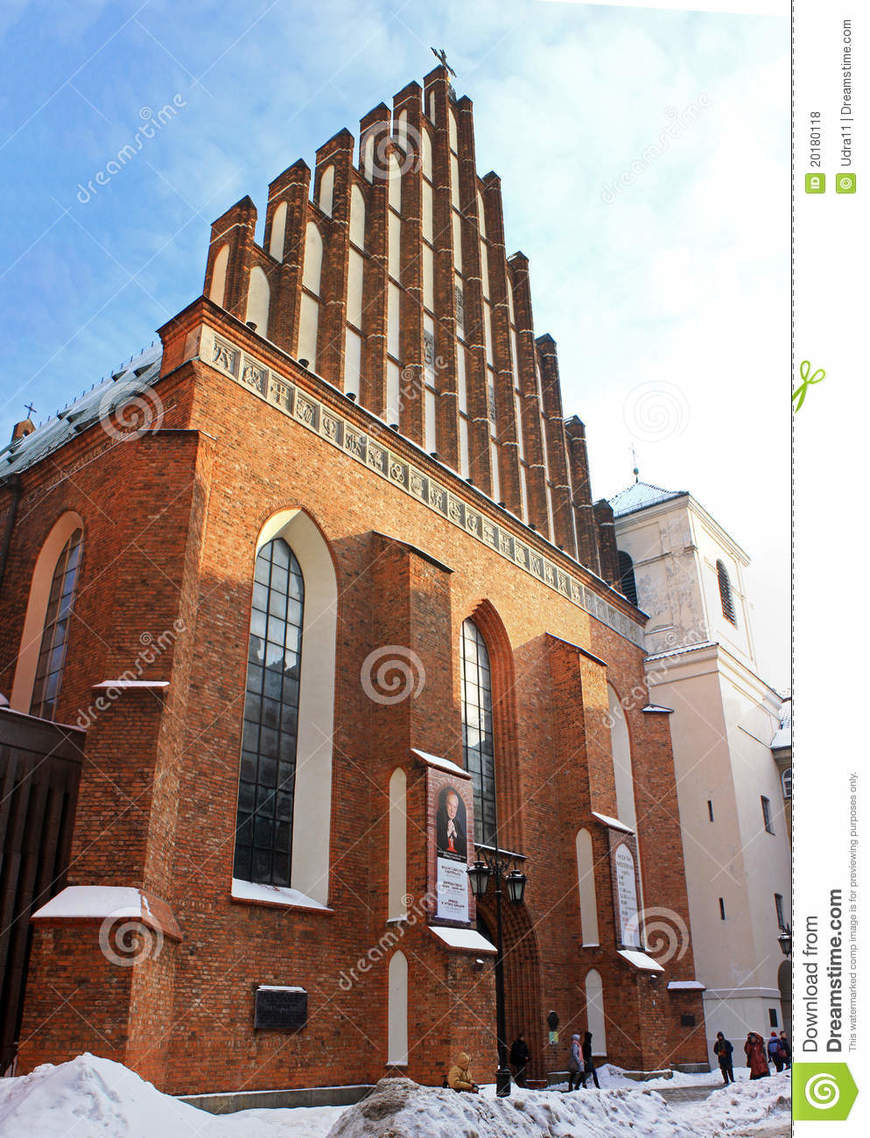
pixel 280 896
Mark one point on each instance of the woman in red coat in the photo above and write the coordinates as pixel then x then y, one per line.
pixel 756 1060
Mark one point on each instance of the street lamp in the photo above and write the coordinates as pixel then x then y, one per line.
pixel 515 885
pixel 784 939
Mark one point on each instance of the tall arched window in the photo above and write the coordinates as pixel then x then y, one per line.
pixel 627 583
pixel 725 596
pixel 477 734
pixel 397 1009
pixel 268 768
pixel 219 275
pixel 595 1011
pixel 55 632
pixel 257 312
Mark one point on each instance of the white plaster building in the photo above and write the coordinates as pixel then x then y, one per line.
pixel 686 572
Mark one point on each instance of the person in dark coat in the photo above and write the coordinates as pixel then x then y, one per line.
pixel 588 1065
pixel 575 1063
pixel 785 1049
pixel 519 1059
pixel 756 1060
pixel 774 1052
pixel 723 1049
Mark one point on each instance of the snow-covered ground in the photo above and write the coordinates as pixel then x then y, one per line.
pixel 91 1097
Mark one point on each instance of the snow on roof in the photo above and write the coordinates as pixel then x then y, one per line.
pixel 121 684
pixel 613 823
pixel 469 940
pixel 640 960
pixel 782 736
pixel 686 986
pixel 443 764
pixel 640 495
pixel 85 902
pixel 131 379
pixel 274 895
pixel 98 902
pixel 657 707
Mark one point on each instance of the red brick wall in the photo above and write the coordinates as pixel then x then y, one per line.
pixel 171 527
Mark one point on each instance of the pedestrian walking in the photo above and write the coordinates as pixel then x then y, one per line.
pixel 756 1060
pixel 785 1050
pixel 519 1059
pixel 774 1052
pixel 723 1049
pixel 588 1065
pixel 575 1063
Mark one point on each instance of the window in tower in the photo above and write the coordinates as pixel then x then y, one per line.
pixel 725 595
pixel 627 583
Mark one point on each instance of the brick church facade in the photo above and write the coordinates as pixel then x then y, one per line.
pixel 329 544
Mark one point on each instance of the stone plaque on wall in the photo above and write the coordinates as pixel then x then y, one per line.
pixel 626 888
pixel 278 1008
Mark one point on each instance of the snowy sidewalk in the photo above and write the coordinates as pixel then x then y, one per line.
pixel 90 1097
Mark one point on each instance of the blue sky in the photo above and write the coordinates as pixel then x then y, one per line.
pixel 659 257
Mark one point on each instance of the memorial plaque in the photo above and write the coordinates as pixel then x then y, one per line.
pixel 626 896
pixel 280 1009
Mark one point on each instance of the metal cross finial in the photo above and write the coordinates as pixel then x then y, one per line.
pixel 634 458
pixel 441 56
pixel 29 408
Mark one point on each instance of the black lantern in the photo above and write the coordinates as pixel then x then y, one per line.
pixel 478 875
pixel 515 883
pixel 784 939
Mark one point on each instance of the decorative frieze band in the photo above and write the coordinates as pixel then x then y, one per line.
pixel 275 389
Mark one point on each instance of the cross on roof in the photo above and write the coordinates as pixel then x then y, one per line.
pixel 29 408
pixel 441 56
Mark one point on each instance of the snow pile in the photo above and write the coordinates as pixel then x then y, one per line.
pixel 89 1097
pixel 745 1106
pixel 399 1108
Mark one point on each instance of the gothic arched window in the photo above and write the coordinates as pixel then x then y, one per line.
pixel 268 768
pixel 55 631
pixel 627 583
pixel 477 733
pixel 725 593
